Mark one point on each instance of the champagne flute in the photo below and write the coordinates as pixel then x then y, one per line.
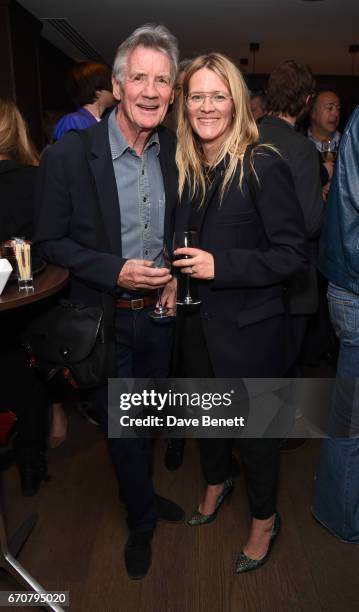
pixel 186 239
pixel 329 152
pixel 162 312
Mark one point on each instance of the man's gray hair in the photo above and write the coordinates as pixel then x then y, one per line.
pixel 151 36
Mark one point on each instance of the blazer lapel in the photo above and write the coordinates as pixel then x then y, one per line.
pixel 170 183
pixel 184 219
pixel 101 165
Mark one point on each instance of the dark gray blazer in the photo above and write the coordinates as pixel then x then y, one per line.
pixel 302 158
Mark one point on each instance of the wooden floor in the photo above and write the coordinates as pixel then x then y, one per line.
pixel 77 544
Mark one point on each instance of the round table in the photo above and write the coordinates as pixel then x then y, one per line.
pixel 51 280
pixel 46 283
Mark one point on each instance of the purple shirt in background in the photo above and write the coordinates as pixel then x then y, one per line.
pixel 79 120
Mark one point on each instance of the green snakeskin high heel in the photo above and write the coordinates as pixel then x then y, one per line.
pixel 246 564
pixel 203 519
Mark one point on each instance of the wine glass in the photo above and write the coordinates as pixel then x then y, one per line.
pixel 186 239
pixel 329 151
pixel 161 312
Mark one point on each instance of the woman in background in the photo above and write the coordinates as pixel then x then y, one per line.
pixel 21 390
pixel 18 168
pixel 239 198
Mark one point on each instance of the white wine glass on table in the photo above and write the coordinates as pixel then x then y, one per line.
pixel 180 240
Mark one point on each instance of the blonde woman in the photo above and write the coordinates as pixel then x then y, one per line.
pixel 18 161
pixel 26 395
pixel 252 240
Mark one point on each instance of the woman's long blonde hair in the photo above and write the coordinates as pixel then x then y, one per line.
pixel 189 156
pixel 15 142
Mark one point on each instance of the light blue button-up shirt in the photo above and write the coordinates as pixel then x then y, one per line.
pixel 141 195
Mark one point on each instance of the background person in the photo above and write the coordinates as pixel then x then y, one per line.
pixel 90 90
pixel 22 392
pixel 252 240
pixel 289 90
pixel 323 129
pixel 324 119
pixel 258 105
pixel 336 501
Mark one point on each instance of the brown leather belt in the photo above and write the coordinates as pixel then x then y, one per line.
pixel 138 303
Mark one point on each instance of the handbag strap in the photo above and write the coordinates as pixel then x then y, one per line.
pixel 108 301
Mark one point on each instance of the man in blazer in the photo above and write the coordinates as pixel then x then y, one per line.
pixel 129 173
pixel 290 87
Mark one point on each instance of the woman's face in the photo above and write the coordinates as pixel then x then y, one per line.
pixel 210 116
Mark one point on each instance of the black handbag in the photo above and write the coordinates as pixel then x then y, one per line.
pixel 70 341
pixel 73 341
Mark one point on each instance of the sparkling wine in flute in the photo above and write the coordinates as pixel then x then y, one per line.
pixel 186 239
pixel 329 156
pixel 329 151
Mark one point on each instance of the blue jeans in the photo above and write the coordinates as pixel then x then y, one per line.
pixel 336 500
pixel 344 314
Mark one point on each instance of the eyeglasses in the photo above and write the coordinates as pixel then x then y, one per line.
pixel 217 98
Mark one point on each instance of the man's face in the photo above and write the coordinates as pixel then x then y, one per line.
pixel 326 113
pixel 179 83
pixel 257 108
pixel 146 90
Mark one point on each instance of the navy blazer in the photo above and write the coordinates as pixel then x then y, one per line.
pixel 257 246
pixel 303 160
pixel 69 188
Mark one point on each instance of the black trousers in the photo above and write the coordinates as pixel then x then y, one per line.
pixel 143 349
pixel 260 457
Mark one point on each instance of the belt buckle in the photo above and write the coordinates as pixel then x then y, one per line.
pixel 137 304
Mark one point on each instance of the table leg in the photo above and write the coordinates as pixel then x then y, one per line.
pixel 20 536
pixel 12 566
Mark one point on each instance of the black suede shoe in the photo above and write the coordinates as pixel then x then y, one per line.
pixel 169 511
pixel 138 553
pixel 174 453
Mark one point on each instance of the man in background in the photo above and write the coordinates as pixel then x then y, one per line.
pixel 324 119
pixel 290 87
pixel 258 105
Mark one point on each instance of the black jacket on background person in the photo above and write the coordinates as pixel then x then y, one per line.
pixel 17 190
pixel 22 392
pixel 302 158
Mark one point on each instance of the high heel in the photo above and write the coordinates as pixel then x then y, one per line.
pixel 198 518
pixel 246 564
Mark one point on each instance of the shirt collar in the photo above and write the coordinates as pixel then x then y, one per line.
pixel 118 143
pixel 318 143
